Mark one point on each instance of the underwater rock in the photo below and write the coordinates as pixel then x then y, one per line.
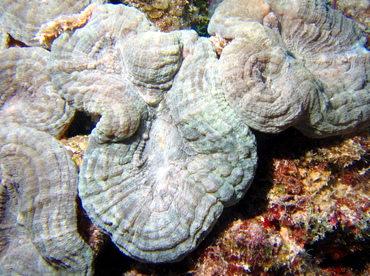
pixel 38 207
pixel 26 95
pixel 329 93
pixel 159 192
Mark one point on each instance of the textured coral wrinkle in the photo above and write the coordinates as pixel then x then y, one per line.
pixel 51 30
pixel 138 159
pixel 40 178
pixel 321 85
pixel 26 95
pixel 172 145
pixel 166 205
pixel 22 19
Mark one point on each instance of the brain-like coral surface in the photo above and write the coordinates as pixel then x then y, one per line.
pixel 172 145
pixel 296 63
pixel 151 60
pixel 160 192
pixel 265 84
pixel 38 217
pixel 26 95
pixel 23 19
pixel 107 65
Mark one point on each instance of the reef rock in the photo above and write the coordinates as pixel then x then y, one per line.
pixel 38 208
pixel 298 63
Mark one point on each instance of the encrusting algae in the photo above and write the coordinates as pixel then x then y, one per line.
pixel 52 29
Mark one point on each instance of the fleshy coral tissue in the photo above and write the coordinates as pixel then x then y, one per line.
pixel 173 145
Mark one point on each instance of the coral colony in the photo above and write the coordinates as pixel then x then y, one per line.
pixel 173 142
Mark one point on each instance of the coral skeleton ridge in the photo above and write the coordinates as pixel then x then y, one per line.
pixel 173 145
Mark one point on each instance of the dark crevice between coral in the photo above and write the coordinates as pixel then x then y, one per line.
pixel 82 124
pixel 168 269
pixel 200 21
pixel 12 42
pixel 110 261
pixel 115 2
pixel 343 250
pixel 201 28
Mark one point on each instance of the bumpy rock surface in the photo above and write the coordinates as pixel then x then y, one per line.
pixel 26 95
pixel 296 63
pixel 22 19
pixel 160 192
pixel 38 217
